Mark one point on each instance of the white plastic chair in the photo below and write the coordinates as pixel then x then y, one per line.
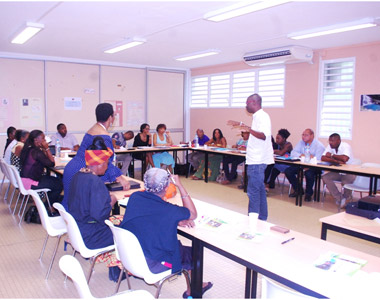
pixel 54 226
pixel 272 290
pixel 24 192
pixel 72 268
pixel 133 259
pixel 5 175
pixel 76 239
pixel 13 182
pixel 355 161
pixel 361 183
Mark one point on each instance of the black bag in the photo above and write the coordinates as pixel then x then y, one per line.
pixel 181 169
pixel 354 209
pixel 32 216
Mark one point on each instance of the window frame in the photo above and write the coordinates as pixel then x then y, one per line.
pixel 321 85
pixel 231 75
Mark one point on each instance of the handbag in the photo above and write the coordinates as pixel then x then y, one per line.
pixel 181 169
pixel 32 216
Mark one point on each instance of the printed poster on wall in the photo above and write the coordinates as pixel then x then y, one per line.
pixel 135 114
pixel 31 113
pixel 370 102
pixel 72 103
pixel 118 112
pixel 4 111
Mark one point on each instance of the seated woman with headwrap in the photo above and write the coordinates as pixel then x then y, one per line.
pixel 154 222
pixel 89 200
pixel 104 117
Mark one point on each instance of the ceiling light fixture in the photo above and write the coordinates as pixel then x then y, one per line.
pixel 27 32
pixel 197 54
pixel 128 43
pixel 241 8
pixel 360 24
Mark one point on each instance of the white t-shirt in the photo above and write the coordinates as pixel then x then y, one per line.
pixel 260 151
pixel 343 149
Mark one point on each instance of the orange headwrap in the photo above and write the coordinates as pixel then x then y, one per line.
pixel 97 157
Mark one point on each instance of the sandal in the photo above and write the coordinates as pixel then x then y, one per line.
pixel 204 290
pixel 195 177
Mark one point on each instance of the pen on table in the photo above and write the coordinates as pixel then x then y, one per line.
pixel 287 241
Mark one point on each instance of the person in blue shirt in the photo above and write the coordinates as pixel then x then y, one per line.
pixel 119 140
pixel 196 157
pixel 154 222
pixel 316 150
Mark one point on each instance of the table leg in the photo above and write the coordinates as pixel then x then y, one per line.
pixel 250 284
pixel 245 179
pixel 300 186
pixel 143 165
pixel 370 186
pixel 206 166
pixel 187 163
pixel 324 231
pixel 317 188
pixel 197 272
pixel 131 168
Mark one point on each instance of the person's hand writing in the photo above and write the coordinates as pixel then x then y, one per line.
pixel 187 223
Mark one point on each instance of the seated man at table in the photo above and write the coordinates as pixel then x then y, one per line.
pixel 154 222
pixel 316 150
pixel 196 157
pixel 67 140
pixel 89 201
pixel 234 160
pixel 338 152
pixel 119 139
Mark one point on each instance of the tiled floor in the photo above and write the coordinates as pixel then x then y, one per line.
pixel 22 274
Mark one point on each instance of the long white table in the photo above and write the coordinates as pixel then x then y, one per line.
pixel 352 225
pixel 291 264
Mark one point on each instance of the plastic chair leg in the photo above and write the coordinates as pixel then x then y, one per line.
pixel 53 257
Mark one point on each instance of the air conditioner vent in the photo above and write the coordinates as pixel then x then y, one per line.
pixel 285 55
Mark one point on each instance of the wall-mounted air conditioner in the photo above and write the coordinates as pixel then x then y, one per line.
pixel 284 55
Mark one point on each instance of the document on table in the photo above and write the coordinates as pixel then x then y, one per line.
pixel 212 223
pixel 339 263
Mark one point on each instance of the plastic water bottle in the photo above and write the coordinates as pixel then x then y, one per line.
pixel 57 148
pixel 196 141
pixel 307 153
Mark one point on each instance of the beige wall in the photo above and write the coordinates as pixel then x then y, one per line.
pixel 301 101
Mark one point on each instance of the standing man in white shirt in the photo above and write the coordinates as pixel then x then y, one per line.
pixel 338 152
pixel 67 141
pixel 259 155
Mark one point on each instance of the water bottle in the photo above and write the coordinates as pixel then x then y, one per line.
pixel 196 141
pixel 57 148
pixel 307 153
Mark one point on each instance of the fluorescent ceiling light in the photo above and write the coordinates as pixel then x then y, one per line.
pixel 365 23
pixel 128 43
pixel 197 55
pixel 241 8
pixel 28 32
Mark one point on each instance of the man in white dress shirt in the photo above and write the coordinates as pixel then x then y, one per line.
pixel 338 152
pixel 67 140
pixel 259 155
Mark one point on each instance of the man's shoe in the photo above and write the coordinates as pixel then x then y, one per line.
pixel 293 195
pixel 307 198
